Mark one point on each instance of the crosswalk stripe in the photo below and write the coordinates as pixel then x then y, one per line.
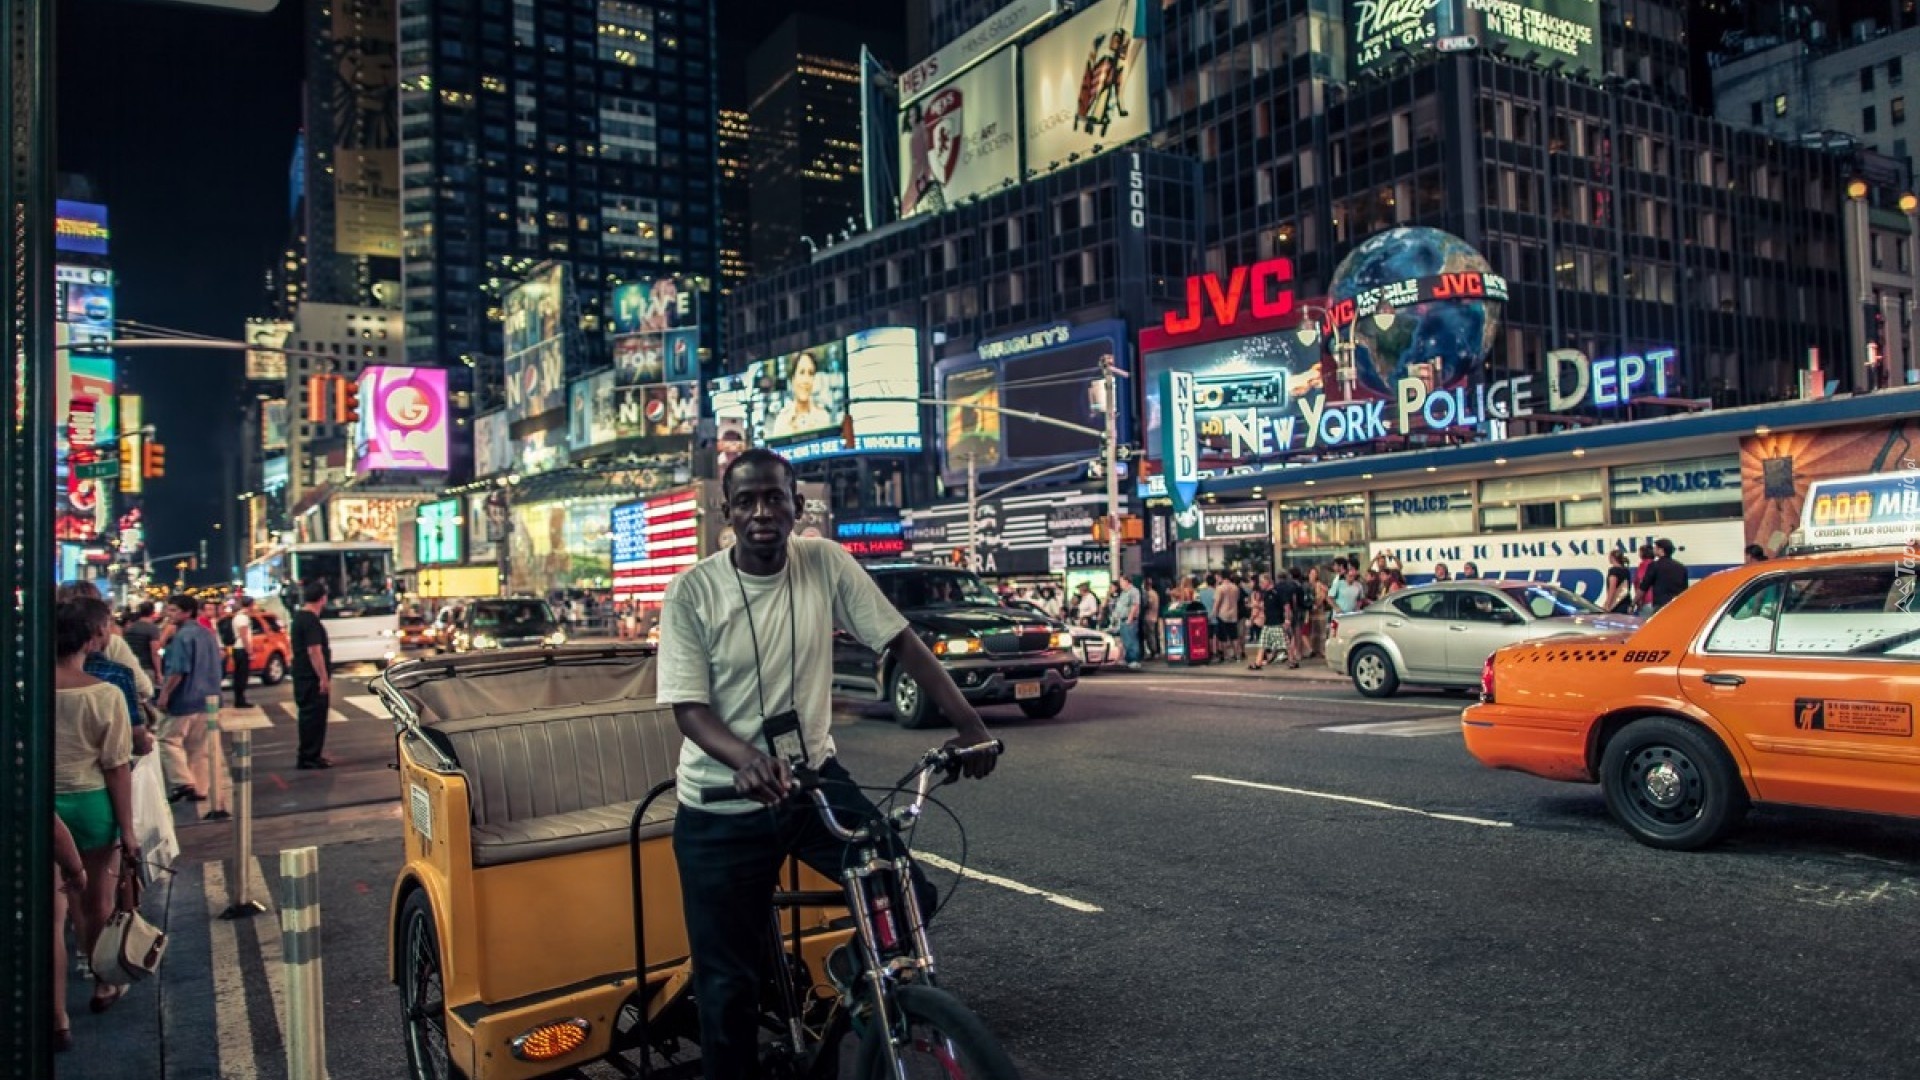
pixel 335 716
pixel 1401 729
pixel 368 704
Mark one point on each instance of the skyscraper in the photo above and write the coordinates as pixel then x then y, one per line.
pixel 579 131
pixel 804 93
pixel 345 171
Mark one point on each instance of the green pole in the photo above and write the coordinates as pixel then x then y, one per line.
pixel 26 565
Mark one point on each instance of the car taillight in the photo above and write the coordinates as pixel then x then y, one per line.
pixel 1333 628
pixel 1486 680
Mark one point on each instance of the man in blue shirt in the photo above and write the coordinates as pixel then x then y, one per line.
pixel 192 669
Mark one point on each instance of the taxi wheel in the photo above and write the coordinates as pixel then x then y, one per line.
pixel 1373 673
pixel 275 670
pixel 1671 785
pixel 423 997
pixel 911 709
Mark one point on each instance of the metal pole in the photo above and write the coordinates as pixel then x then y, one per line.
pixel 1113 473
pixel 219 791
pixel 240 901
pixel 300 951
pixel 973 506
pixel 26 569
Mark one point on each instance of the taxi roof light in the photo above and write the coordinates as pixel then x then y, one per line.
pixel 553 1039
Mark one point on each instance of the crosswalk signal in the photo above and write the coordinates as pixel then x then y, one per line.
pixel 346 401
pixel 153 464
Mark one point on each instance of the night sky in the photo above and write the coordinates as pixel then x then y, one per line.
pixel 184 119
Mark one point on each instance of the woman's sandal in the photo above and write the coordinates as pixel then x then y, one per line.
pixel 101 1004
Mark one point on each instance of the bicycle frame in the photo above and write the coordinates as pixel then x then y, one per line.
pixel 888 959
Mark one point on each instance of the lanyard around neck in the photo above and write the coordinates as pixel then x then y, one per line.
pixel 793 639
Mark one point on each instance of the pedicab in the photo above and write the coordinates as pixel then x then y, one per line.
pixel 536 924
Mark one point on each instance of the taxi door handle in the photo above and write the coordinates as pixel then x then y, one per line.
pixel 1718 679
pixel 1457 629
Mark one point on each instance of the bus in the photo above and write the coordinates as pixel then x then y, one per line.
pixel 362 613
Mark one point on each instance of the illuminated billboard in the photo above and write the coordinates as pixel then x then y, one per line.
pixel 83 299
pixel 653 540
pixel 363 98
pixel 88 423
pixel 492 444
pixel 962 139
pixel 356 520
pixel 802 393
pixel 80 227
pixel 438 533
pixel 265 363
pixel 273 424
pixel 403 420
pixel 592 419
pixel 1048 371
pixel 1540 31
pixel 1085 84
pixel 655 306
pixel 970 48
pixel 535 341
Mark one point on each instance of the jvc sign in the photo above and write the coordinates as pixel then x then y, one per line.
pixel 1258 292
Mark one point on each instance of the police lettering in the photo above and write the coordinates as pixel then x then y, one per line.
pixel 1677 483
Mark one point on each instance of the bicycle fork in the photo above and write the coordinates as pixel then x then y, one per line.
pixel 880 890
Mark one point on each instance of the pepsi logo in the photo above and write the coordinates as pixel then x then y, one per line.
pixel 656 410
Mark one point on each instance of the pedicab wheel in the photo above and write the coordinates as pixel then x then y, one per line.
pixel 423 1000
pixel 911 709
pixel 944 1040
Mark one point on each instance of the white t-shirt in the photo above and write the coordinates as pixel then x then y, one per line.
pixel 242 629
pixel 707 651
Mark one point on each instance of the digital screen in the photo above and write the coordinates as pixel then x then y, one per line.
pixel 962 139
pixel 1085 84
pixel 655 306
pixel 1050 371
pixel 652 540
pixel 492 445
pixel 535 344
pixel 882 384
pixel 438 532
pixel 403 420
pixel 80 227
pixel 1244 396
pixel 802 392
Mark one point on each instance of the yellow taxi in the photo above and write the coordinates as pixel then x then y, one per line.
pixel 1787 682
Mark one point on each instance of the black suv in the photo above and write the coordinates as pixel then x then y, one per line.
pixel 996 654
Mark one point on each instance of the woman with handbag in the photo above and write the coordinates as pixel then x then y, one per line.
pixel 92 777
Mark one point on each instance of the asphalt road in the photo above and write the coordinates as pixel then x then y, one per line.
pixel 1214 877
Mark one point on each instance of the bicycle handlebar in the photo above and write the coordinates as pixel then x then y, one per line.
pixel 807 782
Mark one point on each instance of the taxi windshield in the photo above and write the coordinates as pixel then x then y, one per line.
pixel 1549 601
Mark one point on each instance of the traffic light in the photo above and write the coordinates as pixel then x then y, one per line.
pixel 317 386
pixel 154 464
pixel 346 401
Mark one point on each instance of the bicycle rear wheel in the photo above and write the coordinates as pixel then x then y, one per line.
pixel 943 1040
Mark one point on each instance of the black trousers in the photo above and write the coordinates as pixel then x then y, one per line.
pixel 242 670
pixel 312 706
pixel 729 868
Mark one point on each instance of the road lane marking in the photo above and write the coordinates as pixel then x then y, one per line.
pixel 1401 729
pixel 1357 801
pixel 244 718
pixel 367 703
pixel 230 1012
pixel 1067 902
pixel 1429 707
pixel 335 716
pixel 267 926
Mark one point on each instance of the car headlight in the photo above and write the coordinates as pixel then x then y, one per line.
pixel 1062 640
pixel 558 637
pixel 484 641
pixel 956 647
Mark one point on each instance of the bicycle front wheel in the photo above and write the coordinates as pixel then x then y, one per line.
pixel 941 1040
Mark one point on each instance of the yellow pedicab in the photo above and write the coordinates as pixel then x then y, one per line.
pixel 538 808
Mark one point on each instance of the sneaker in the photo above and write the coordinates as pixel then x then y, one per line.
pixel 1135 666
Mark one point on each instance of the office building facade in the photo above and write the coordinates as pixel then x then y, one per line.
pixel 577 131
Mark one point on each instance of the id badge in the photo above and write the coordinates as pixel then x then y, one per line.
pixel 782 731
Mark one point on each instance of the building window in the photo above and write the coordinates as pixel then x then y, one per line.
pixel 1868 122
pixel 1694 489
pixel 1894 74
pixel 1755 114
pixel 1779 104
pixel 1866 79
pixel 1897 111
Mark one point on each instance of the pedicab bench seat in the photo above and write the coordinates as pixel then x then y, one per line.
pixel 554 779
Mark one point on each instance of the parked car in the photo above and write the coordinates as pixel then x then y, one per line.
pixel 508 623
pixel 1788 682
pixel 1097 648
pixel 996 654
pixel 272 651
pixel 1441 634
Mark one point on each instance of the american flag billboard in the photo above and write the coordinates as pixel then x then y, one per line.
pixel 654 539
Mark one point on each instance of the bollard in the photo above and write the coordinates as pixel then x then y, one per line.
pixel 218 800
pixel 300 952
pixel 240 901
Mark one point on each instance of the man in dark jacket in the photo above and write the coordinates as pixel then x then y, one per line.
pixel 1667 577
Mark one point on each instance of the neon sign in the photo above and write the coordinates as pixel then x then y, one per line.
pixel 1261 291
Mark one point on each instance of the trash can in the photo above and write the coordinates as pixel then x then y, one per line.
pixel 1173 627
pixel 1199 632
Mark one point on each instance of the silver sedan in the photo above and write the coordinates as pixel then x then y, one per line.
pixel 1441 634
